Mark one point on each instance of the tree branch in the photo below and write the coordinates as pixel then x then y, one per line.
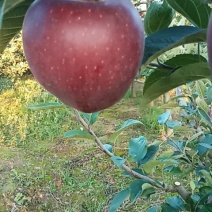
pixel 175 188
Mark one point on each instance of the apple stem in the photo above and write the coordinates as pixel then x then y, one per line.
pixel 171 188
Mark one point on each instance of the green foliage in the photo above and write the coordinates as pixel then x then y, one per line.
pixel 12 62
pixel 158 16
pixel 195 11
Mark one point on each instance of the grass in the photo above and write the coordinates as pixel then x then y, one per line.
pixel 40 171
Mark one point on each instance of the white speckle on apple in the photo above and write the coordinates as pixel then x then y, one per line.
pixel 108 25
pixel 57 68
pixel 69 21
pixel 51 11
pixel 102 61
pixel 74 59
pixel 80 77
pixel 63 61
pixel 126 25
pixel 83 34
pixel 61 9
pixel 44 50
pixel 93 32
pixel 100 16
pixel 55 41
pixel 107 48
pixel 94 46
pixel 95 67
pixel 112 77
pixel 91 88
pixel 110 72
pixel 98 88
pixel 52 68
pixel 100 75
pixel 122 36
pixel 122 56
pixel 71 12
pixel 118 49
pixel 86 67
pixel 109 88
pixel 89 10
pixel 78 18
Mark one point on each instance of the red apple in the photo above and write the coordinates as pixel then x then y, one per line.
pixel 84 52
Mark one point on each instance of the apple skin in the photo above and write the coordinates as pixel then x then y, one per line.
pixel 86 53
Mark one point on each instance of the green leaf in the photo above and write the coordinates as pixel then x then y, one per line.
pixel 125 125
pixel 158 16
pixel 2 6
pixel 164 40
pixel 162 119
pixel 201 88
pixel 192 185
pixel 205 117
pixel 177 61
pixel 201 103
pixel 209 94
pixel 91 117
pixel 152 209
pixel 195 197
pixel 136 189
pixel 78 134
pixel 206 145
pixel 185 59
pixel 151 151
pixel 94 117
pixel 108 147
pixel 118 199
pixel 46 106
pixel 207 176
pixel 195 11
pixel 119 161
pixel 175 202
pixel 206 140
pixel 148 190
pixel 167 208
pixel 179 77
pixel 137 149
pixel 173 124
pixel 13 16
